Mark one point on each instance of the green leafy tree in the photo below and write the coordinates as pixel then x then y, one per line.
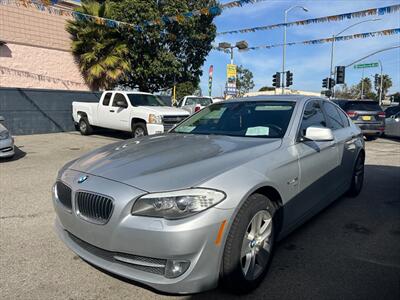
pixel 100 53
pixel 364 89
pixel 386 85
pixel 345 92
pixel 187 88
pixel 167 53
pixel 244 80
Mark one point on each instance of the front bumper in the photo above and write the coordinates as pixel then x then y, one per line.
pixel 191 239
pixel 7 148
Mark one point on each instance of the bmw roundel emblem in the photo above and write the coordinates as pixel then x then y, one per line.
pixel 82 179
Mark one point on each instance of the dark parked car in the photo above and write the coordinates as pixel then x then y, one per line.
pixel 367 114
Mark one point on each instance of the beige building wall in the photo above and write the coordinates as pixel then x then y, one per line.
pixel 36 53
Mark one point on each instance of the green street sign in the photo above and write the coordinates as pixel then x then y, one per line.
pixel 363 66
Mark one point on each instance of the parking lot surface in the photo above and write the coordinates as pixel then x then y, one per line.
pixel 351 250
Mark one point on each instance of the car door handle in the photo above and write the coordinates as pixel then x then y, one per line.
pixel 111 110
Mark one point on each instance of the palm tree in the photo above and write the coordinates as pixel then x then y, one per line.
pixel 100 53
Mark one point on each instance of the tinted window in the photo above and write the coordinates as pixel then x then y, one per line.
pixel 107 98
pixel 145 100
pixel 343 117
pixel 391 111
pixel 334 120
pixel 200 101
pixel 118 97
pixel 267 119
pixel 313 116
pixel 363 105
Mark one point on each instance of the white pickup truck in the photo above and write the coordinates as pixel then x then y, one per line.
pixel 193 104
pixel 136 112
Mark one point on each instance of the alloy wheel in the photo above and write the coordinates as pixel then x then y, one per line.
pixel 139 132
pixel 359 174
pixel 256 246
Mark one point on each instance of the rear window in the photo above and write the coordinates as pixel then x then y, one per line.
pixel 363 105
pixel 200 101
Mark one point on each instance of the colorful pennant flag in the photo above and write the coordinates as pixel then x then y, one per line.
pixel 385 32
pixel 334 18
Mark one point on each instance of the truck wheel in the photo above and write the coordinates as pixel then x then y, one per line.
pixel 139 129
pixel 84 127
pixel 249 245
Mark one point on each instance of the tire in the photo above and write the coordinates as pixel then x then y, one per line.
pixel 357 179
pixel 242 247
pixel 76 125
pixel 138 130
pixel 84 127
pixel 371 138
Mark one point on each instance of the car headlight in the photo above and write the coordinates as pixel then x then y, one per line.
pixel 177 204
pixel 4 135
pixel 155 119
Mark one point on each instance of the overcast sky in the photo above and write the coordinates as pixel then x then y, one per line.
pixel 309 63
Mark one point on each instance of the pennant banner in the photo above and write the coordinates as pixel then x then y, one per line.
pixel 334 18
pixel 9 71
pixel 385 32
pixel 48 6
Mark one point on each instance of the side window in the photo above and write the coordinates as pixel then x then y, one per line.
pixel 334 120
pixel 313 116
pixel 343 117
pixel 118 97
pixel 107 98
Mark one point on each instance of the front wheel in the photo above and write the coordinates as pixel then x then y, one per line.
pixel 249 245
pixel 138 130
pixel 357 180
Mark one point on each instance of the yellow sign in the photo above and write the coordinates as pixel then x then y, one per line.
pixel 231 73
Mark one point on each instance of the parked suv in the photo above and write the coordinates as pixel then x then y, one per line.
pixel 367 114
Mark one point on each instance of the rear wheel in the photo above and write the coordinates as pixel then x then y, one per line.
pixel 249 245
pixel 138 130
pixel 357 180
pixel 84 127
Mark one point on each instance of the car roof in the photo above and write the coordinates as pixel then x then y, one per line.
pixel 288 98
pixel 128 92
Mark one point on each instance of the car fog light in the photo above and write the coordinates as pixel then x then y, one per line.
pixel 175 268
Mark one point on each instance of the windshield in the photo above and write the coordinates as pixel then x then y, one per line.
pixel 268 119
pixel 363 105
pixel 200 101
pixel 145 100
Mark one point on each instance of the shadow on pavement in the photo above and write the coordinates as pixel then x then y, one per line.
pixel 18 155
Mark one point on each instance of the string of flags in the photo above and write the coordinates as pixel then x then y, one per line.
pixel 385 32
pixel 10 71
pixel 334 18
pixel 48 6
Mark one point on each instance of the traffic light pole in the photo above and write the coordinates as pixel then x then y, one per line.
pixel 331 69
pixel 381 83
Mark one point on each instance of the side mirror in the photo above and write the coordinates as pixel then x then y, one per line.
pixel 2 119
pixel 319 134
pixel 122 104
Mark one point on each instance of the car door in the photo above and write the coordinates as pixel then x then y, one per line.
pixel 318 162
pixel 120 116
pixel 392 127
pixel 345 140
pixel 103 110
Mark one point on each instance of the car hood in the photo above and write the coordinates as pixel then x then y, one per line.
pixel 171 161
pixel 166 110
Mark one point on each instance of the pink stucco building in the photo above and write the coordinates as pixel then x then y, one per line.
pixel 35 49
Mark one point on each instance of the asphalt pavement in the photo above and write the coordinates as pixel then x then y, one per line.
pixel 351 250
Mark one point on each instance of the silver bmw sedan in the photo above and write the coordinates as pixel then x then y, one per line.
pixel 205 203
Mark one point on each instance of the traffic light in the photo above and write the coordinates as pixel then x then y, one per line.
pixel 289 78
pixel 325 82
pixel 340 72
pixel 376 80
pixel 331 83
pixel 276 80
